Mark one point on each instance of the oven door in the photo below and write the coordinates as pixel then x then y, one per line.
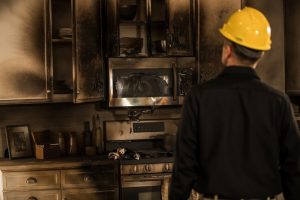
pixel 145 187
pixel 146 82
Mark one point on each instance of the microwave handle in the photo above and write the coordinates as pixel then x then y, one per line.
pixel 174 69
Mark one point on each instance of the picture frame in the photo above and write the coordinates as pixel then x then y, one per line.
pixel 19 141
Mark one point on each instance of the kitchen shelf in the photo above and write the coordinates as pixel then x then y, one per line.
pixel 64 40
pixel 59 98
pixel 128 22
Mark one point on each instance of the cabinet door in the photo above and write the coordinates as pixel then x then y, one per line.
pixel 180 33
pixel 158 28
pixel 90 194
pixel 89 64
pixel 23 60
pixel 100 176
pixel 33 195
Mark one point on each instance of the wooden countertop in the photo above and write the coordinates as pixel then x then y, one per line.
pixel 60 163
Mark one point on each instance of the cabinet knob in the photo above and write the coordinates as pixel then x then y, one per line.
pixel 167 167
pixel 148 168
pixel 32 198
pixel 134 169
pixel 88 178
pixel 31 180
pixel 77 92
pixel 48 91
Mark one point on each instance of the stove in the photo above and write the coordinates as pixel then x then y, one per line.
pixel 146 176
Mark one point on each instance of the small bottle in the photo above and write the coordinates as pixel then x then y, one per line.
pixel 73 146
pixel 99 136
pixel 87 133
pixel 62 145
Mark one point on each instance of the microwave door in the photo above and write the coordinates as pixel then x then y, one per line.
pixel 141 85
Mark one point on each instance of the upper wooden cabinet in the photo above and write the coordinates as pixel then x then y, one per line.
pixel 149 28
pixel 76 50
pixel 23 51
pixel 51 51
pixel 292 47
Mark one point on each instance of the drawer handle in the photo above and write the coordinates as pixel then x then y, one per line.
pixel 31 180
pixel 88 179
pixel 32 198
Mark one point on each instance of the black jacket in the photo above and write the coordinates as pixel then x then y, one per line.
pixel 238 138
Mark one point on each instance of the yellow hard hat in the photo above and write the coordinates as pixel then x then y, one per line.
pixel 249 28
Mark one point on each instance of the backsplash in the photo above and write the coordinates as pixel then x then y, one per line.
pixel 67 117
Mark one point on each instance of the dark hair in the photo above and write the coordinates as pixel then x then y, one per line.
pixel 246 55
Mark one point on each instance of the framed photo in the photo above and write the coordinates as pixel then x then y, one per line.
pixel 19 141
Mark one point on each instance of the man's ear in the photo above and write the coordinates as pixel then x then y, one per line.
pixel 228 51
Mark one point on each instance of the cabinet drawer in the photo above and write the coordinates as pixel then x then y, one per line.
pixel 31 180
pixel 90 194
pixel 91 177
pixel 33 195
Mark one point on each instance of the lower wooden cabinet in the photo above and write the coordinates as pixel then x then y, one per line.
pixel 33 195
pixel 33 180
pixel 54 182
pixel 90 194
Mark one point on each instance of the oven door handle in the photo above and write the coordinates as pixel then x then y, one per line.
pixel 137 183
pixel 174 69
pixel 148 181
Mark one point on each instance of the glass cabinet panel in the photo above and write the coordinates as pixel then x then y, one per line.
pixel 133 28
pixel 180 33
pixel 149 28
pixel 62 47
pixel 158 27
pixel 76 56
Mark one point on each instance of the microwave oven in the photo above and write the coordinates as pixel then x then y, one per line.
pixel 150 81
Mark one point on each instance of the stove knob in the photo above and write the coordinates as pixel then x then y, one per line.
pixel 148 168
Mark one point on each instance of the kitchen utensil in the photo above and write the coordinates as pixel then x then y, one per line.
pixel 131 45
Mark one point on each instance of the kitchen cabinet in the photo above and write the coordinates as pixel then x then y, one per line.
pixel 150 28
pixel 31 185
pixel 76 50
pixel 90 194
pixel 24 64
pixel 59 180
pixel 292 47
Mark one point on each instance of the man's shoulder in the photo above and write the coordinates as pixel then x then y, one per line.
pixel 258 86
pixel 271 90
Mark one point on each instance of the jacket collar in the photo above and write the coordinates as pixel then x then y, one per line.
pixel 239 72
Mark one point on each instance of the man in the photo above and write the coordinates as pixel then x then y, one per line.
pixel 238 138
